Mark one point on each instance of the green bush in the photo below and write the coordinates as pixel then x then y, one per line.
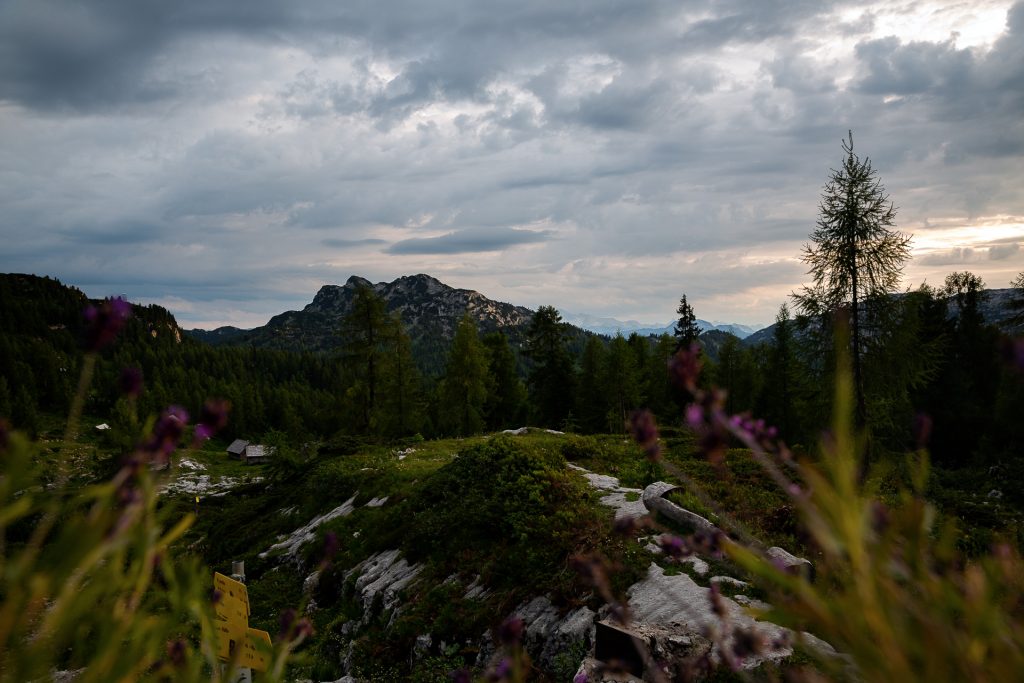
pixel 504 495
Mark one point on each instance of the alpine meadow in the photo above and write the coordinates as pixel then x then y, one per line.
pixel 747 403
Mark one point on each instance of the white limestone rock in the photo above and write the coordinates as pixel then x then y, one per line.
pixel 383 575
pixel 791 563
pixel 291 543
pixel 677 603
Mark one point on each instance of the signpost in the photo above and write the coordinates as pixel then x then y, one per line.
pixel 247 647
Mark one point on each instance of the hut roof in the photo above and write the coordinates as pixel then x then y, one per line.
pixel 237 446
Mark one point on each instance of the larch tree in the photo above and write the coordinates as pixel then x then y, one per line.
pixel 855 254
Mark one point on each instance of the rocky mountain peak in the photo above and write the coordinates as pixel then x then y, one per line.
pixel 425 284
pixel 430 310
pixel 353 282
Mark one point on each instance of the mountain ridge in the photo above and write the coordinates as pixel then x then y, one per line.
pixel 429 309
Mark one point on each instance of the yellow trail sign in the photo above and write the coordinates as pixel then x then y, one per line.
pixel 233 632
pixel 231 591
pixel 256 651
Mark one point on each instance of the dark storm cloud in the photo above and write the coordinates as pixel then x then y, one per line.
pixel 89 55
pixel 894 67
pixel 958 81
pixel 469 241
pixel 57 54
pixel 221 151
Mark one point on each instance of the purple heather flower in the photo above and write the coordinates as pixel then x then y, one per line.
pixel 673 546
pixel 511 631
pixel 780 642
pixel 172 425
pixel 501 670
pixel 331 545
pixel 694 416
pixel 717 604
pixel 619 612
pixel 130 382
pixel 176 652
pixel 628 525
pixel 747 642
pixel 707 542
pixel 167 433
pixel 212 418
pixel 303 628
pixel 713 445
pixel 286 621
pixel 103 322
pixel 645 432
pixel 581 677
pixel 684 368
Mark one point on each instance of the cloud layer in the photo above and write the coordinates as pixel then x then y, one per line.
pixel 602 156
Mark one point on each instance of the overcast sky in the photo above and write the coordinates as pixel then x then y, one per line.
pixel 226 159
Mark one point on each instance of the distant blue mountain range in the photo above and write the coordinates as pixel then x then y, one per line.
pixel 611 326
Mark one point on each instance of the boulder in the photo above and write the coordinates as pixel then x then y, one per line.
pixel 790 563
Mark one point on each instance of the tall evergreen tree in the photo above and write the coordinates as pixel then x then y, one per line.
pixel 464 388
pixel 781 399
pixel 855 256
pixel 506 395
pixel 659 389
pixel 686 330
pixel 620 384
pixel 366 339
pixel 735 372
pixel 965 404
pixel 552 377
pixel 640 347
pixel 591 400
pixel 401 385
